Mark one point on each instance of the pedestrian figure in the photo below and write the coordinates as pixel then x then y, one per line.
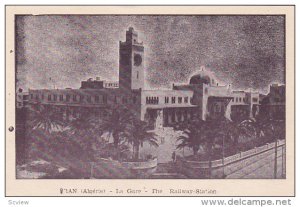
pixel 174 157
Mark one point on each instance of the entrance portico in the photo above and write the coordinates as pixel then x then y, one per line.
pixel 165 117
pixel 218 107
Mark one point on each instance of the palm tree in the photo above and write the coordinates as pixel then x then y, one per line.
pixel 44 119
pixel 193 135
pixel 263 126
pixel 228 133
pixel 235 130
pixel 136 133
pixel 208 134
pixel 220 132
pixel 215 134
pixel 83 134
pixel 276 131
pixel 115 124
pixel 42 123
pixel 267 130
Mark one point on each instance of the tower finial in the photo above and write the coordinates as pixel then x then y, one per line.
pixel 202 68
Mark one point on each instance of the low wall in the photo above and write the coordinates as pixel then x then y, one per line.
pixel 141 165
pixel 109 169
pixel 200 169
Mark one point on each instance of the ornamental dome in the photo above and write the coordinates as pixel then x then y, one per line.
pixel 203 77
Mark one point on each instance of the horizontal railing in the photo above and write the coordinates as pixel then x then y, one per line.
pixel 232 158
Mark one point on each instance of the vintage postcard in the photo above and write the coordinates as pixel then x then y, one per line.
pixel 150 101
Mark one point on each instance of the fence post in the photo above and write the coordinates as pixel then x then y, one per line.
pixel 92 170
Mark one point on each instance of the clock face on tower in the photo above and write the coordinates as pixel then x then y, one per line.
pixel 137 60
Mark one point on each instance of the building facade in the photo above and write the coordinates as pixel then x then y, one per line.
pixel 202 97
pixel 273 105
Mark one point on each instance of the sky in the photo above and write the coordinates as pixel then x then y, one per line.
pixel 61 51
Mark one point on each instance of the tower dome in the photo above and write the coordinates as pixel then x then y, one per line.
pixel 203 77
pixel 199 79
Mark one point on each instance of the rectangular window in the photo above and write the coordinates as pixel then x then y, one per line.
pixel 236 99
pixel 116 99
pixel 31 96
pixel 42 96
pixel 222 108
pixel 166 99
pixel 54 97
pixel 74 98
pixel 179 100
pixel 36 97
pixel 97 99
pixel 61 97
pixel 81 98
pixel 134 99
pixel 186 99
pixel 217 108
pixel 233 100
pixel 173 100
pixel 240 99
pixel 49 97
pixel 124 100
pixel 243 99
pixel 255 99
pixel 89 99
pixel 104 98
pixel 67 97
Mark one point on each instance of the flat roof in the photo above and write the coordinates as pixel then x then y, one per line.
pixel 170 106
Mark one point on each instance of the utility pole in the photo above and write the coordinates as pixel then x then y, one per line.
pixel 275 160
pixel 223 155
pixel 282 161
pixel 92 170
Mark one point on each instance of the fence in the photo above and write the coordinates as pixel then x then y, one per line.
pixel 233 158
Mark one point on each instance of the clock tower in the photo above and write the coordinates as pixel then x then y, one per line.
pixel 131 62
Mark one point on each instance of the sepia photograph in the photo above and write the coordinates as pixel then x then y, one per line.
pixel 150 96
